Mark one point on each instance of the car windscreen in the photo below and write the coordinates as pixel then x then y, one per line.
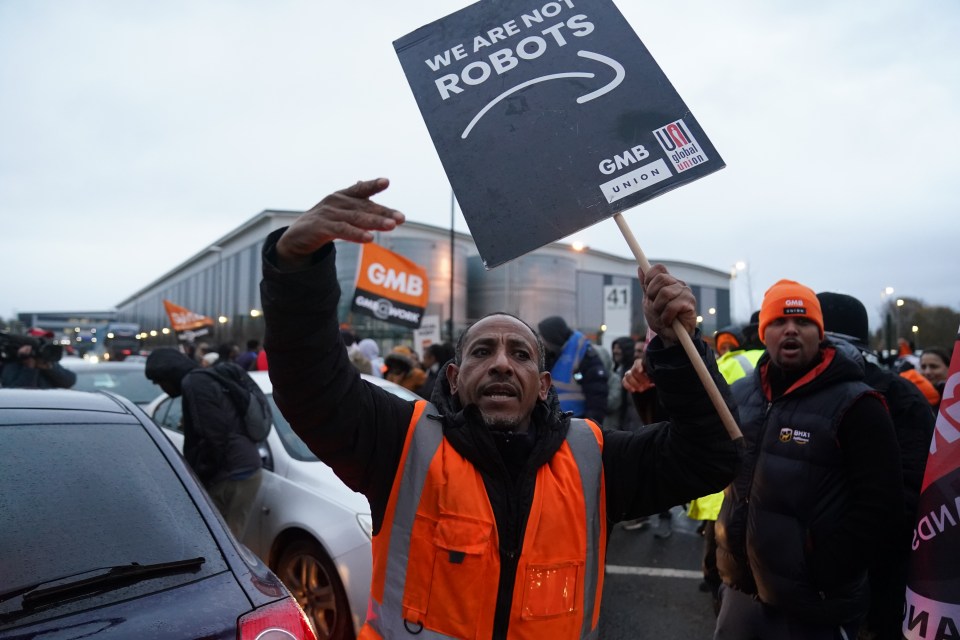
pixel 296 447
pixel 132 384
pixel 82 497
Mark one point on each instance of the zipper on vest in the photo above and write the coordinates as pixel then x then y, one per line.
pixel 757 448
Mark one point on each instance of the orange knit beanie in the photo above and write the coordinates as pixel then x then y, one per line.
pixel 788 298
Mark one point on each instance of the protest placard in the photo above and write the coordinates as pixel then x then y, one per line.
pixel 933 585
pixel 549 117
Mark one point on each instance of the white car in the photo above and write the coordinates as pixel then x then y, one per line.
pixel 306 524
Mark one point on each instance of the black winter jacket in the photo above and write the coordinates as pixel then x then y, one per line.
pixel 214 440
pixel 15 374
pixel 359 429
pixel 812 503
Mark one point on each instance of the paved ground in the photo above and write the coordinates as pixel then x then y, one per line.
pixel 651 586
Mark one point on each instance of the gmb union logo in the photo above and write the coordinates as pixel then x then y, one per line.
pixel 382 309
pixel 795 435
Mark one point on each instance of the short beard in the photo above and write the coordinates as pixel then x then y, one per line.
pixel 501 424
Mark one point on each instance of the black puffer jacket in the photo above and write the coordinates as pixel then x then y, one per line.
pixel 819 492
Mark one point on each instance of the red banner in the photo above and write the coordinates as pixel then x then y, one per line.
pixel 933 586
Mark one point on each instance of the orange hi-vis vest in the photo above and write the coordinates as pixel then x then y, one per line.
pixel 436 559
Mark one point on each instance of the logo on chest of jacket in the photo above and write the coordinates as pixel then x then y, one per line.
pixel 794 435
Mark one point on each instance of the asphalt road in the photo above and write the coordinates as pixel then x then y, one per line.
pixel 651 585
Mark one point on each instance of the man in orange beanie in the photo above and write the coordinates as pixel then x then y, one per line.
pixel 819 490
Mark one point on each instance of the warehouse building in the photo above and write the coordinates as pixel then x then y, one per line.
pixel 590 289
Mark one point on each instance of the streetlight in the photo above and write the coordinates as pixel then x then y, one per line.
pixel 218 302
pixel 741 265
pixel 916 336
pixel 899 304
pixel 885 293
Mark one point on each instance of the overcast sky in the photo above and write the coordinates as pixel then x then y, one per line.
pixel 133 133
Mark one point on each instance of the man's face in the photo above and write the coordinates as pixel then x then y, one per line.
pixel 792 343
pixel 169 388
pixel 428 360
pixel 499 373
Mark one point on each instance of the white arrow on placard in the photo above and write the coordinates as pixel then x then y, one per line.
pixel 616 66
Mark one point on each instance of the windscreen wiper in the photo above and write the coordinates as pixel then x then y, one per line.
pixel 38 595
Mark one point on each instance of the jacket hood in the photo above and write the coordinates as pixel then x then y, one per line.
pixel 369 348
pixel 628 351
pixel 554 330
pixel 168 365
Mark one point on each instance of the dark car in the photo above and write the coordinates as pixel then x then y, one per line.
pixel 104 532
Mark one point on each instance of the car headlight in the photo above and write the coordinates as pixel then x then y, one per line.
pixel 365 520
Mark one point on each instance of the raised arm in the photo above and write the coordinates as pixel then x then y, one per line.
pixel 354 426
pixel 348 214
pixel 689 455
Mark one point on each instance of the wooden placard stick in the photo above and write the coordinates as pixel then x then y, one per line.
pixel 708 383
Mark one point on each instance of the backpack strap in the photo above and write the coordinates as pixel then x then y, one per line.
pixel 238 395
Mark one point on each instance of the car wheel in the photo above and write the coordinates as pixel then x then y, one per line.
pixel 313 580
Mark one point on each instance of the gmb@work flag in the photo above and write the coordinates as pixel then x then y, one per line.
pixel 390 287
pixel 187 324
pixel 933 583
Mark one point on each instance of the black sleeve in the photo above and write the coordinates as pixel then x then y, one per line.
pixel 354 426
pixel 913 422
pixel 668 463
pixel 595 386
pixel 875 507
pixel 59 376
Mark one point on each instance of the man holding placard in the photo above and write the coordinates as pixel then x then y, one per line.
pixel 490 506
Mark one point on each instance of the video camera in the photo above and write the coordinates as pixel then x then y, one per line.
pixel 40 348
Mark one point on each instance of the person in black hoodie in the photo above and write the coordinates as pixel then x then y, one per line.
pixel 845 318
pixel 215 443
pixel 489 504
pixel 579 374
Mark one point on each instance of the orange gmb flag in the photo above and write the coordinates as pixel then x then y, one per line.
pixel 182 319
pixel 390 287
pixel 933 583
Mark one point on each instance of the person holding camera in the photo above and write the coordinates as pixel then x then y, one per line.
pixel 36 365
